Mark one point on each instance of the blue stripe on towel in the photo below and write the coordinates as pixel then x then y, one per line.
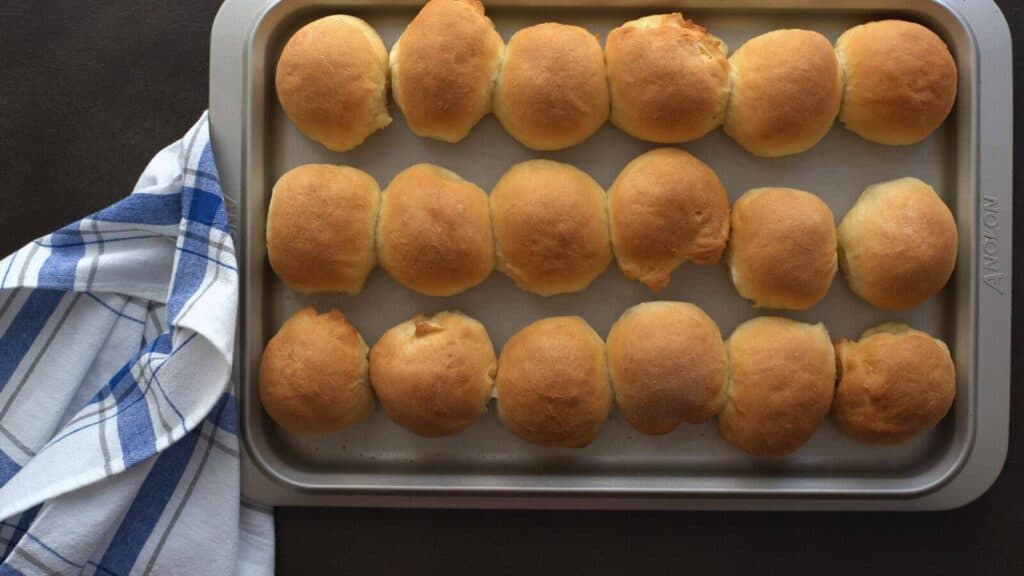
pixel 66 250
pixel 191 270
pixel 8 468
pixel 134 425
pixel 141 208
pixel 206 208
pixel 23 331
pixel 149 505
pixel 225 414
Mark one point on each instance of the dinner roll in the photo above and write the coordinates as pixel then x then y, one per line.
pixel 668 78
pixel 553 383
pixel 550 227
pixel 313 375
pixel 332 81
pixel 894 383
pixel 443 68
pixel 320 228
pixel 667 366
pixel 551 91
pixel 434 374
pixel 786 89
pixel 434 231
pixel 898 244
pixel 781 377
pixel 900 81
pixel 665 208
pixel 782 248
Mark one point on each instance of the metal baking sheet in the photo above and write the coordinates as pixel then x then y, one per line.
pixel 379 463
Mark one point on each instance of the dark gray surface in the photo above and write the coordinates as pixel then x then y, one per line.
pixel 89 92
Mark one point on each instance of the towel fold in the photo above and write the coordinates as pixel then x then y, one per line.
pixel 119 449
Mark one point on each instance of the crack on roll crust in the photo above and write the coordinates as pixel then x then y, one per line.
pixel 425 327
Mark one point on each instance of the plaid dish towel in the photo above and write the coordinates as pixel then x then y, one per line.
pixel 118 426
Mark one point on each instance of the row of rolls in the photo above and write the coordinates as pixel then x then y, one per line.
pixel 770 384
pixel 553 229
pixel 660 78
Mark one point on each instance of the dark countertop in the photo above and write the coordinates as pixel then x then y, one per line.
pixel 89 93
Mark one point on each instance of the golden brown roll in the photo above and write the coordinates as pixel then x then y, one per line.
pixel 332 80
pixel 786 89
pixel 550 227
pixel 313 375
pixel 665 208
pixel 781 377
pixel 782 248
pixel 443 68
pixel 320 228
pixel 553 383
pixel 434 231
pixel 667 366
pixel 668 78
pixel 551 91
pixel 900 81
pixel 434 374
pixel 898 244
pixel 894 383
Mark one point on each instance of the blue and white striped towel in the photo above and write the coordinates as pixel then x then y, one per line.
pixel 118 425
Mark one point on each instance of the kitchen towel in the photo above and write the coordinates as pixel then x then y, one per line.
pixel 119 449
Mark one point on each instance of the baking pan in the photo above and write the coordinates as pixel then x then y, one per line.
pixel 379 463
